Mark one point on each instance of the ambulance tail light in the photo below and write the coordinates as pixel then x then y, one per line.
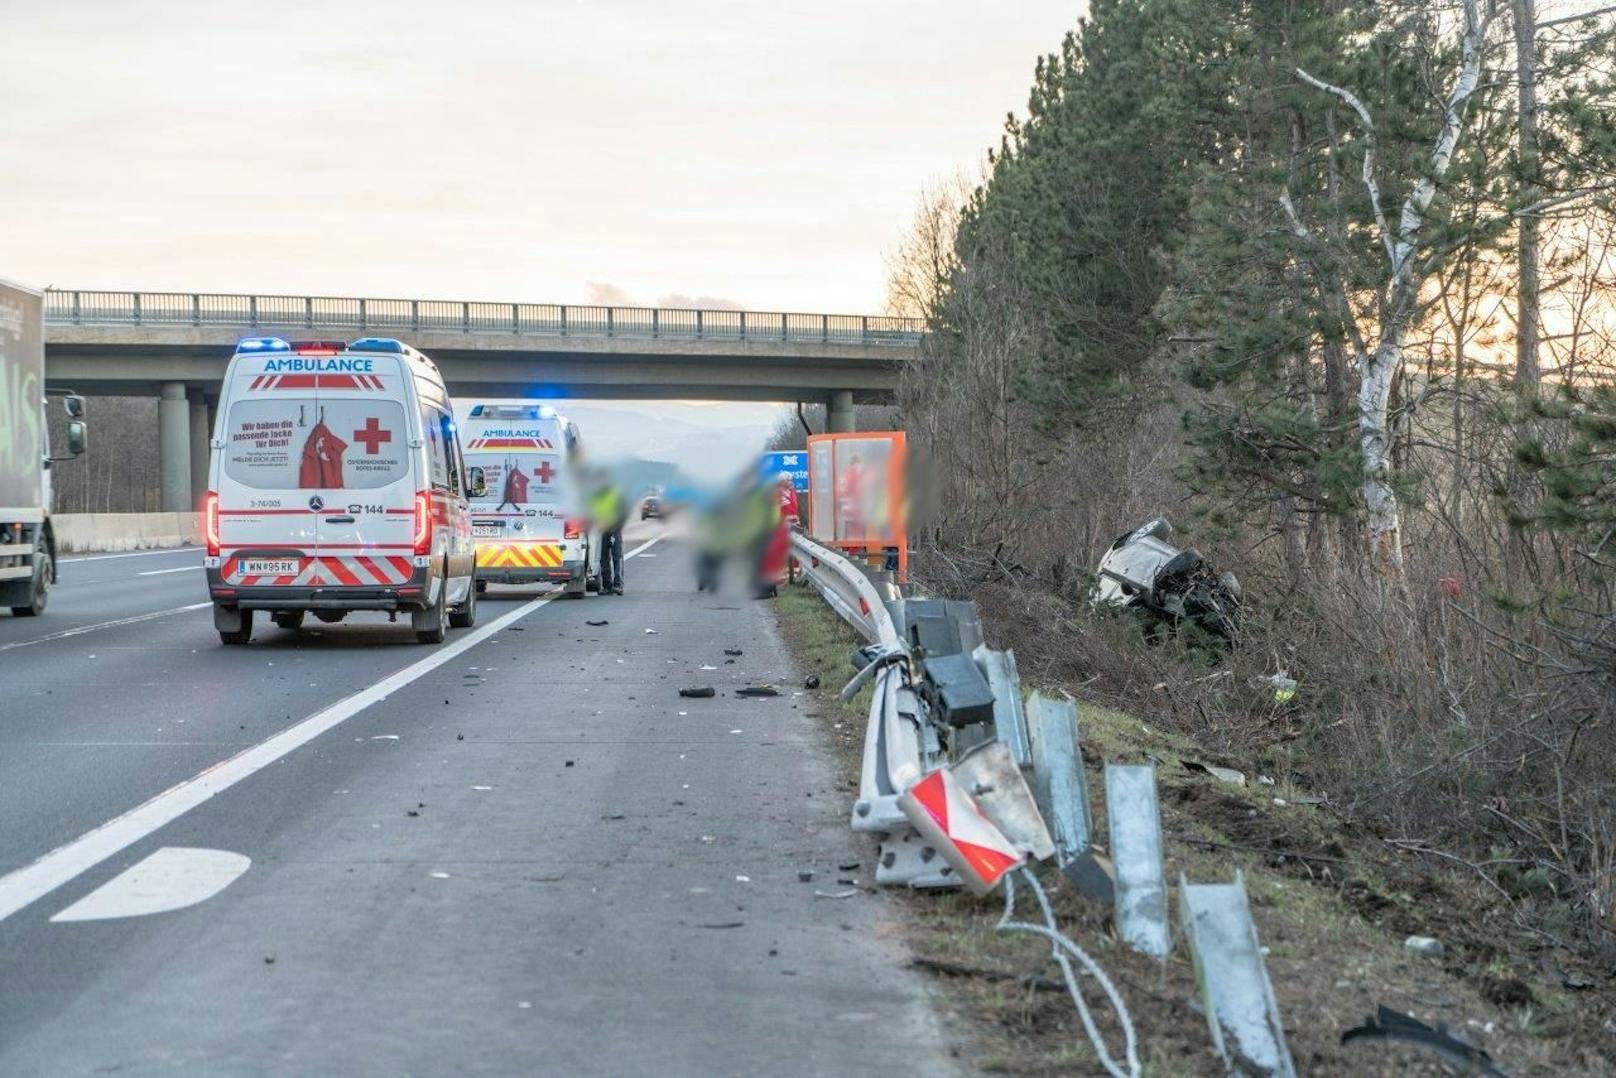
pixel 210 522
pixel 423 522
pixel 572 528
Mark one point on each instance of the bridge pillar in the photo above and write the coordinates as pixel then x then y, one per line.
pixel 839 417
pixel 174 448
pixel 201 431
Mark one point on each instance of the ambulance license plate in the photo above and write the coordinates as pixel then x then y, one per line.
pixel 487 531
pixel 269 567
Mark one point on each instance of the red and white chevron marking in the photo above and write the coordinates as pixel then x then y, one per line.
pixel 326 570
pixel 944 813
pixel 316 381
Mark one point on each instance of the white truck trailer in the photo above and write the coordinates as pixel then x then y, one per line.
pixel 27 541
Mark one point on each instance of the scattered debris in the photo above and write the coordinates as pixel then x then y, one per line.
pixel 650 632
pixel 1389 1025
pixel 836 894
pixel 735 652
pixel 269 960
pixel 412 812
pixel 725 924
pixel 758 690
pixel 1429 946
pixel 613 816
pixel 701 693
pixel 1222 774
pixel 707 666
pixel 848 866
pixel 743 879
pixel 569 763
pixel 812 682
pixel 602 621
pixel 805 876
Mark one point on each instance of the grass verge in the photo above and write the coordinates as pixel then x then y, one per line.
pixel 1330 907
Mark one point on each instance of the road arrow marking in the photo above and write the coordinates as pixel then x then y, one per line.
pixel 171 879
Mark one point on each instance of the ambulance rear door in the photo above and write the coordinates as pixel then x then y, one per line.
pixel 357 467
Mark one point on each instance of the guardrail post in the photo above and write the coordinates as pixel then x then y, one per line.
pixel 136 298
pixel 196 309
pixel 699 331
pixel 516 320
pixel 1236 995
pixel 656 324
pixel 465 317
pixel 864 329
pixel 611 326
pixel 78 309
pixel 1058 767
pixel 362 315
pixel 743 325
pixel 784 327
pixel 563 319
pixel 308 311
pixel 824 328
pixel 1134 817
pixel 415 315
pixel 252 311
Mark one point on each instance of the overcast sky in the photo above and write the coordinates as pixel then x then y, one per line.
pixel 764 154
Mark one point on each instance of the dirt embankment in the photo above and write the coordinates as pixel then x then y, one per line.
pixel 1333 906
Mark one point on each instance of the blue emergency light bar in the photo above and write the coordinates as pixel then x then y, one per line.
pixel 512 411
pixel 377 344
pixel 262 344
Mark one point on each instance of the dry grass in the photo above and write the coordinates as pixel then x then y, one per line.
pixel 1332 902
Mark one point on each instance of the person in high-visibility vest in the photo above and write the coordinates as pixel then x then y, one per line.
pixel 609 510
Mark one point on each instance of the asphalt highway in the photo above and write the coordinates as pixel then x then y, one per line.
pixel 341 852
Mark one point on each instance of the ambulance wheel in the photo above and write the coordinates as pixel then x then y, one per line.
pixel 234 624
pixel 432 624
pixel 39 587
pixel 465 615
pixel 575 591
pixel 288 619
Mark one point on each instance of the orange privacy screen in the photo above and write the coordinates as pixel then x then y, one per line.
pixel 856 496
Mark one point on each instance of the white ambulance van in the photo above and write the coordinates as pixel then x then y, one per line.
pixel 337 484
pixel 530 521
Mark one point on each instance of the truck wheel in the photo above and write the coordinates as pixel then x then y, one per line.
pixel 234 624
pixel 39 591
pixel 288 619
pixel 432 624
pixel 465 615
pixel 482 587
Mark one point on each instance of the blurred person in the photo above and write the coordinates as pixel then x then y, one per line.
pixel 609 510
pixel 790 508
pixel 850 497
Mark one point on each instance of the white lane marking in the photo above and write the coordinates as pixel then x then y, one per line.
pixel 82 629
pixel 135 554
pixel 30 883
pixel 171 879
pixel 160 572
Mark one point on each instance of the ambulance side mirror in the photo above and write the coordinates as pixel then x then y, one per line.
pixel 476 485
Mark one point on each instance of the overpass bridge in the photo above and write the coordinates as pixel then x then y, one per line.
pixel 176 345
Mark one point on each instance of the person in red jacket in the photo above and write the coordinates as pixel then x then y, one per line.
pixel 789 507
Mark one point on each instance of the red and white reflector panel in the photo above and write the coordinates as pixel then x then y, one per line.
pixel 945 815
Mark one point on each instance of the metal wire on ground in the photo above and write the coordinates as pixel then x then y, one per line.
pixel 1059 945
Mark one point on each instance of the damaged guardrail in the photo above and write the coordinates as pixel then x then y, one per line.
pixel 952 759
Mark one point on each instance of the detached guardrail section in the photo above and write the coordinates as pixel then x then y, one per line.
pixel 71 307
pixel 948 754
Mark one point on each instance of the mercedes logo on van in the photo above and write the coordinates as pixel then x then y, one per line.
pixel 316 503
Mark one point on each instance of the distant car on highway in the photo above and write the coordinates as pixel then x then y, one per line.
pixel 336 485
pixel 651 507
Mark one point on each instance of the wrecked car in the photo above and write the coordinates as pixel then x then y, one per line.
pixel 1145 571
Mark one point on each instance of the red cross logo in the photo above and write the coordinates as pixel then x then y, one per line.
pixel 373 436
pixel 544 472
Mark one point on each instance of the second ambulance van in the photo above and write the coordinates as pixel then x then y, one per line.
pixel 337 484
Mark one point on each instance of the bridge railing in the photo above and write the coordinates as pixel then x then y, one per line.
pixel 274 312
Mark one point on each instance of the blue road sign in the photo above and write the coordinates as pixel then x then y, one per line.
pixel 794 461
